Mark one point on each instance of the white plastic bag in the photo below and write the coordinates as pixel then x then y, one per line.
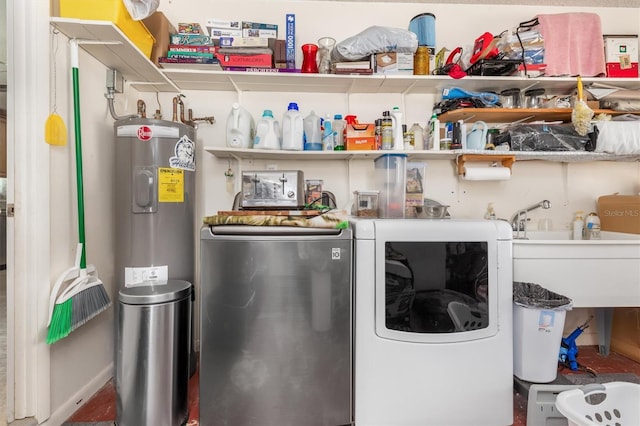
pixel 140 9
pixel 375 40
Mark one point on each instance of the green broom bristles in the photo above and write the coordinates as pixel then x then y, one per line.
pixel 60 326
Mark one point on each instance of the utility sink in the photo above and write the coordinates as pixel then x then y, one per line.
pixel 601 273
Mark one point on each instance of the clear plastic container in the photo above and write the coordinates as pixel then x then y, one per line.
pixel 391 178
pixel 312 132
pixel 365 203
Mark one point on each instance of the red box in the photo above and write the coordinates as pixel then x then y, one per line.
pixel 615 70
pixel 360 136
pixel 263 60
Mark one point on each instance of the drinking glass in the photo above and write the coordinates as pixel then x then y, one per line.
pixel 309 53
pixel 324 61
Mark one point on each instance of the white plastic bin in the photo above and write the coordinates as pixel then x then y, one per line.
pixel 538 323
pixel 614 403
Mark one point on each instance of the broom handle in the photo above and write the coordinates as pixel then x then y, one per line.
pixel 78 137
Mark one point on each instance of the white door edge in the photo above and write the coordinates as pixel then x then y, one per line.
pixel 28 363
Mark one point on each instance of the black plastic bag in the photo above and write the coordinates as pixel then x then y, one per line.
pixel 546 137
pixel 532 295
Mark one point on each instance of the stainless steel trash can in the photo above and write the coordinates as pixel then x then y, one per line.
pixel 152 363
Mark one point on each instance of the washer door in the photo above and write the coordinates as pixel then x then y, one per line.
pixel 435 288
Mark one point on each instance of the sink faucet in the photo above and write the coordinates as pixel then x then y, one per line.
pixel 519 219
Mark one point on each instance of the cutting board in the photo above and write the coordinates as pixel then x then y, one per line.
pixel 268 213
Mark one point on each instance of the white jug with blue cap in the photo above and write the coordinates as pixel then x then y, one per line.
pixel 477 136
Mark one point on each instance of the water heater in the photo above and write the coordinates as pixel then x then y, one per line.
pixel 155 192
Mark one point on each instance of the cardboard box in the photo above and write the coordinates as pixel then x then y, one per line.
pixel 621 55
pixel 291 40
pixel 191 39
pixel 617 70
pixel 161 29
pixel 224 23
pixel 619 213
pixel 393 63
pixel 625 332
pixel 360 136
pixel 262 60
pixel 617 46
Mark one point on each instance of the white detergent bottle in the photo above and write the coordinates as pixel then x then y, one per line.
pixel 328 137
pixel 398 136
pixel 339 127
pixel 292 129
pixel 312 132
pixel 578 225
pixel 267 132
pixel 418 136
pixel 240 127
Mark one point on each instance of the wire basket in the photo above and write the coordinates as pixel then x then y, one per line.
pixel 614 403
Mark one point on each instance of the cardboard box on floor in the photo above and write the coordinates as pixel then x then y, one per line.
pixel 619 213
pixel 625 332
pixel 161 29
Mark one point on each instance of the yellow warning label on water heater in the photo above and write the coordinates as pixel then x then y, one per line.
pixel 170 185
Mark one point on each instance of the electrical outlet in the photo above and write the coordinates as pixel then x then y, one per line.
pixel 272 167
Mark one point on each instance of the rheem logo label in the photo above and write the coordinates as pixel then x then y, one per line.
pixel 144 133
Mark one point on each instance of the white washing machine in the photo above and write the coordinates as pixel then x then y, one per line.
pixel 433 322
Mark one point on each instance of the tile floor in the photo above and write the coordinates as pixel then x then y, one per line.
pixel 100 409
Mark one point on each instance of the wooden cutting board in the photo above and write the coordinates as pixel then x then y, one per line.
pixel 268 213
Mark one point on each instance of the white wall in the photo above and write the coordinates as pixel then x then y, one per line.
pixel 80 361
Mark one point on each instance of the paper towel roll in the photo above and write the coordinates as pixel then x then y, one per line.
pixel 485 172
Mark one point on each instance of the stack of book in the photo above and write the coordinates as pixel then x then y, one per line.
pixel 353 68
pixel 243 45
pixel 191 48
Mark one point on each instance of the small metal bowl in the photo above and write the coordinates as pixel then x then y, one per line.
pixel 435 211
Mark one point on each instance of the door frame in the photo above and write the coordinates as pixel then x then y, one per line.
pixel 28 241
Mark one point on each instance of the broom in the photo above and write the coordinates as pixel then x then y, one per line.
pixel 85 297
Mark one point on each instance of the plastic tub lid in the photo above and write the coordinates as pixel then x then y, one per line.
pixel 162 292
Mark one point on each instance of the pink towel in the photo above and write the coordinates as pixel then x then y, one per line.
pixel 573 44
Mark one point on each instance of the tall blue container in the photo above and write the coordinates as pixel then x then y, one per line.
pixel 424 26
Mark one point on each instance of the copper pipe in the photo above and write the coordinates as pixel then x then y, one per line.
pixel 175 109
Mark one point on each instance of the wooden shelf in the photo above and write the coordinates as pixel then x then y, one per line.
pixel 113 49
pixel 261 154
pixel 509 115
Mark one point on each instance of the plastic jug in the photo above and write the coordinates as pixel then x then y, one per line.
pixel 398 136
pixel 339 129
pixel 240 127
pixel 477 137
pixel 292 129
pixel 267 132
pixel 312 132
pixel 328 137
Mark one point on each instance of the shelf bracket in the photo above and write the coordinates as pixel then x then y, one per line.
pixel 505 160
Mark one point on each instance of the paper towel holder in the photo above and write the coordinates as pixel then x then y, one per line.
pixel 506 160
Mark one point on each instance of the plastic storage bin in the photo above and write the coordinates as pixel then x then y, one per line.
pixel 538 323
pixel 152 363
pixel 586 406
pixel 391 178
pixel 114 11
